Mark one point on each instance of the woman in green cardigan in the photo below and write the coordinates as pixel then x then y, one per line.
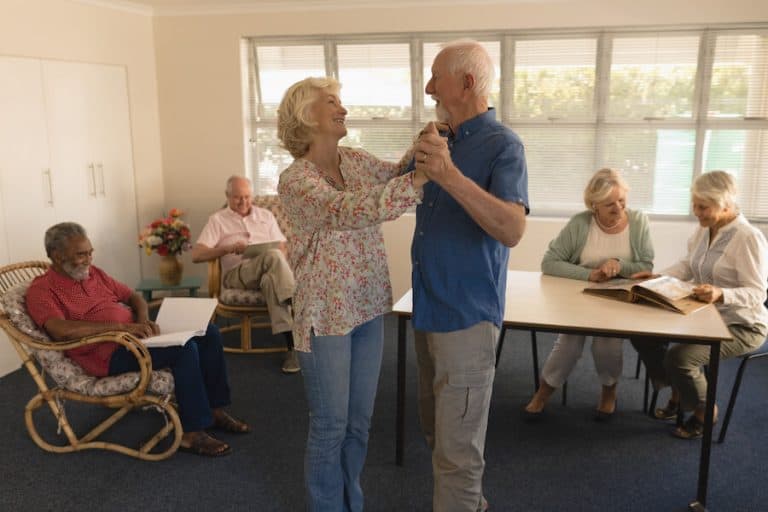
pixel 603 242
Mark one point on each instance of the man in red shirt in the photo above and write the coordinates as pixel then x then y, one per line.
pixel 74 299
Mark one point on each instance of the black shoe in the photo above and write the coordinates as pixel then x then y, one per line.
pixel 603 417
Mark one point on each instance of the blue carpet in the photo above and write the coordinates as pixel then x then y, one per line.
pixel 567 462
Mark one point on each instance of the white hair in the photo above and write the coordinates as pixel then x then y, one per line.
pixel 717 188
pixel 469 56
pixel 232 179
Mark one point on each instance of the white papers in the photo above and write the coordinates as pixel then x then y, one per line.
pixel 181 318
pixel 254 250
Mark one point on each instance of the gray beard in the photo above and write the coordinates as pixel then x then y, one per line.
pixel 78 273
pixel 442 115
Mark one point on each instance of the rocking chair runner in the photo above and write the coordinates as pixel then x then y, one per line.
pixel 123 392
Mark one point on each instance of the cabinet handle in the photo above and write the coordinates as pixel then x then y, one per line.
pixel 92 190
pixel 47 177
pixel 102 189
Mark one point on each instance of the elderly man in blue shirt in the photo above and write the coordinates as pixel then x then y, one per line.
pixel 472 212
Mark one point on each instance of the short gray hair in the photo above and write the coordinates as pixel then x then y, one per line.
pixel 601 185
pixel 234 178
pixel 718 188
pixel 469 56
pixel 57 236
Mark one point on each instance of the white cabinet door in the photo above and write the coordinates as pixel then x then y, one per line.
pixel 73 173
pixel 92 160
pixel 25 170
pixel 117 229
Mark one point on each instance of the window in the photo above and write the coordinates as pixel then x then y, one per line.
pixel 661 106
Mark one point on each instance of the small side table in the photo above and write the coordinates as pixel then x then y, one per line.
pixel 148 286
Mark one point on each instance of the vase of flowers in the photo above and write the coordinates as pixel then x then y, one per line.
pixel 169 237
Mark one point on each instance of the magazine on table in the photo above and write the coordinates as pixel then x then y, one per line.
pixel 181 318
pixel 663 291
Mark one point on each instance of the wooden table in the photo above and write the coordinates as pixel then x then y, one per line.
pixel 553 304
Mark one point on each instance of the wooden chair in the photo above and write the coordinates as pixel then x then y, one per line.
pixel 125 392
pixel 247 306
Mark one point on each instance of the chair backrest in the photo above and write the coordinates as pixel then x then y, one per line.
pixel 26 271
pixel 273 204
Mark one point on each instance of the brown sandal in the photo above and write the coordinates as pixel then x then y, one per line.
pixel 206 445
pixel 668 412
pixel 222 420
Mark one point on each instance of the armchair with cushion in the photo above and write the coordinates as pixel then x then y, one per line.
pixel 147 389
pixel 247 306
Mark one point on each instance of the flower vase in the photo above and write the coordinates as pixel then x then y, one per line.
pixel 170 270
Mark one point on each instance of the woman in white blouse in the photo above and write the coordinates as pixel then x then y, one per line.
pixel 728 260
pixel 335 199
pixel 606 240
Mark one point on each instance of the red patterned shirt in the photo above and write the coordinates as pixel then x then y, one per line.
pixel 337 249
pixel 99 298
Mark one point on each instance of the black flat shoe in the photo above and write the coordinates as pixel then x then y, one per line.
pixel 603 417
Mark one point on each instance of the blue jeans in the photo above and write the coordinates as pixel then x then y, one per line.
pixel 199 374
pixel 341 375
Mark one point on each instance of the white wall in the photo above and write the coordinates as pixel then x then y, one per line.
pixel 185 97
pixel 200 92
pixel 669 242
pixel 70 31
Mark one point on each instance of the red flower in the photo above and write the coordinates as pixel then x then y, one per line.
pixel 162 250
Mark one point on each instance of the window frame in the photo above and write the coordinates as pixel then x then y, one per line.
pixel 700 122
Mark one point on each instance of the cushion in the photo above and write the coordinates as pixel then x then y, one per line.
pixel 272 203
pixel 238 297
pixel 64 371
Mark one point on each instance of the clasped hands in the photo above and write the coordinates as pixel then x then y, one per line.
pixel 431 153
pixel 607 270
pixel 237 248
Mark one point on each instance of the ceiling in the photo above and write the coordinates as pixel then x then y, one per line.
pixel 192 7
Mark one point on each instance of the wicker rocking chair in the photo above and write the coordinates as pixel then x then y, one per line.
pixel 124 392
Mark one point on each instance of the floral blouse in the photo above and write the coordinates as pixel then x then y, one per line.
pixel 337 248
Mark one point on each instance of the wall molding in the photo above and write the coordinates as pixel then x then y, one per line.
pixel 195 8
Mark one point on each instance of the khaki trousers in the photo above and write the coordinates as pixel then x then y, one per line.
pixel 270 274
pixel 456 371
pixel 681 364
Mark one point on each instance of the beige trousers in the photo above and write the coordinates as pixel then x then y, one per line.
pixel 456 371
pixel 270 274
pixel 680 365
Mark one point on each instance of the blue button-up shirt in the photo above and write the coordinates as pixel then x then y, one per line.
pixel 459 271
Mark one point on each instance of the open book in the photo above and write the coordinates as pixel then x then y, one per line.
pixel 181 318
pixel 254 250
pixel 664 291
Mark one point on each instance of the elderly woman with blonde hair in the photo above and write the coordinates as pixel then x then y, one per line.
pixel 335 198
pixel 728 260
pixel 606 240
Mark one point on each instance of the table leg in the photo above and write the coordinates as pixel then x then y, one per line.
pixel 401 357
pixel 706 442
pixel 535 354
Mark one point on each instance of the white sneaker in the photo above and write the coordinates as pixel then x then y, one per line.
pixel 291 362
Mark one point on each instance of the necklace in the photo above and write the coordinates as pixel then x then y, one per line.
pixel 607 228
